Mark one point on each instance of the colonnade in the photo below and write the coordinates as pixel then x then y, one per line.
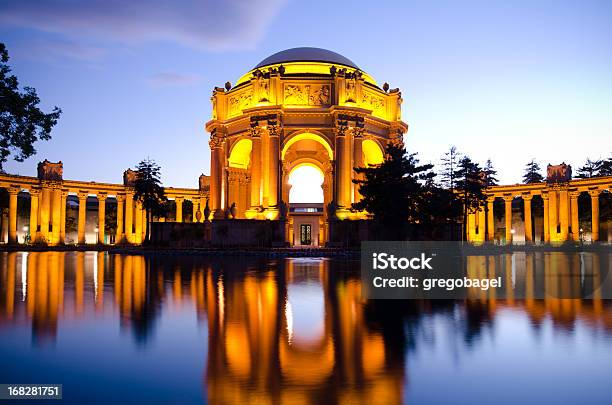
pixel 48 201
pixel 560 206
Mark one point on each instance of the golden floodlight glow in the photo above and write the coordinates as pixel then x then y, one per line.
pixel 372 153
pixel 306 180
pixel 240 156
pixel 317 68
pixel 309 136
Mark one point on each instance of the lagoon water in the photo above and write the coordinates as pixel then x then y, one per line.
pixel 227 330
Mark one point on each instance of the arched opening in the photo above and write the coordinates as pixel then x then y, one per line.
pixel 306 180
pixel 308 136
pixel 240 157
pixel 306 199
pixel 372 154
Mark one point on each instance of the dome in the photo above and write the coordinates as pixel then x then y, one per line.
pixel 306 54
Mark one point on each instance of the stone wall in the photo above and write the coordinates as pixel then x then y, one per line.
pixel 219 233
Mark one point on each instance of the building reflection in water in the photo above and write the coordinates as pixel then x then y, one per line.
pixel 283 330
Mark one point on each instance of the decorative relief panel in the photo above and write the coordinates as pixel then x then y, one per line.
pixel 309 94
pixel 375 103
pixel 239 102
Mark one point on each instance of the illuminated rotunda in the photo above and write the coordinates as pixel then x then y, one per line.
pixel 299 107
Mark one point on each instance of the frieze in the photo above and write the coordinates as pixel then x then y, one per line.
pixel 373 102
pixel 308 94
pixel 240 101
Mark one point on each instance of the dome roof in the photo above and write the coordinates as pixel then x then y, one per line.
pixel 306 54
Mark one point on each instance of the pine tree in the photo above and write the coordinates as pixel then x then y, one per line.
pixel 605 169
pixel 532 173
pixel 450 160
pixel 470 188
pixel 393 191
pixel 149 191
pixel 489 174
pixel 590 169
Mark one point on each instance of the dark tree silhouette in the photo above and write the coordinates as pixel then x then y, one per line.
pixel 393 192
pixel 590 169
pixel 149 191
pixel 470 188
pixel 22 123
pixel 489 174
pixel 450 161
pixel 532 173
pixel 606 167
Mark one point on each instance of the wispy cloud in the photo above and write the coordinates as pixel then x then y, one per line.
pixel 202 24
pixel 59 49
pixel 174 79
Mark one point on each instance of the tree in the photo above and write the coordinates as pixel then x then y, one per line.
pixel 489 174
pixel 393 192
pixel 606 167
pixel 149 191
pixel 590 169
pixel 22 123
pixel 532 173
pixel 470 188
pixel 450 160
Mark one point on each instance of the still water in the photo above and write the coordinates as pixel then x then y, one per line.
pixel 297 331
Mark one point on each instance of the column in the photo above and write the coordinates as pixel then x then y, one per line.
pixel 144 223
pixel 527 213
pixel 56 214
pixel 129 215
pixel 490 219
pixel 471 226
pixel 553 218
pixel 481 224
pixel 45 212
pixel 357 162
pixel 120 205
pixel 574 214
pixel 13 191
pixel 179 209
pixel 348 168
pixel 342 169
pixel 138 223
pixel 273 166
pixel 82 216
pixel 217 175
pixel 194 210
pixel 255 200
pixel 233 186
pixel 265 164
pixel 34 196
pixel 594 215
pixel 62 234
pixel 546 218
pixel 101 216
pixel 564 212
pixel 508 218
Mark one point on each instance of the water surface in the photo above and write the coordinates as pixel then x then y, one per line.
pixel 255 330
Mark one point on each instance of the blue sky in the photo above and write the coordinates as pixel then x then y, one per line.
pixel 506 80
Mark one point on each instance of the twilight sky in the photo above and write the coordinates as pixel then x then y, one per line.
pixel 506 80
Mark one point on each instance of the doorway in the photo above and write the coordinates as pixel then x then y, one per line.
pixel 305 234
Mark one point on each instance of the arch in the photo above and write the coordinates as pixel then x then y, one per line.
pixel 310 136
pixel 317 194
pixel 240 156
pixel 372 153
